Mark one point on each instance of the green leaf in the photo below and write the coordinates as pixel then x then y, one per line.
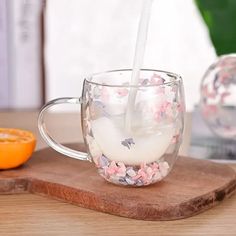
pixel 220 18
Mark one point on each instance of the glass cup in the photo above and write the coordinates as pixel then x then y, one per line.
pixel 132 133
pixel 218 97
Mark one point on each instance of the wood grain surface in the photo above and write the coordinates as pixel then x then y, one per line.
pixel 192 187
pixel 30 214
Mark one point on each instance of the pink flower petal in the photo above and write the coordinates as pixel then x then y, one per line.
pixel 122 92
pixel 105 94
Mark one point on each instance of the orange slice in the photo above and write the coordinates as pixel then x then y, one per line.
pixel 16 147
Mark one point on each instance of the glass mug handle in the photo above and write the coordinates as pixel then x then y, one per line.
pixel 47 137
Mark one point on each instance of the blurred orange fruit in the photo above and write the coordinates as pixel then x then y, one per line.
pixel 16 147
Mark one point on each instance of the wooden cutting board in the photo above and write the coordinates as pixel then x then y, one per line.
pixel 192 187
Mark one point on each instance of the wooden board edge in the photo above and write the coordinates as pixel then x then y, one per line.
pixel 91 201
pixel 14 185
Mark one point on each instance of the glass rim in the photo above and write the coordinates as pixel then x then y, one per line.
pixel 177 78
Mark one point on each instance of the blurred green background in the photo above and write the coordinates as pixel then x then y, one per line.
pixel 220 17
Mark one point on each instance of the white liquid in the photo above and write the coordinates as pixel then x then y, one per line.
pixel 138 59
pixel 148 147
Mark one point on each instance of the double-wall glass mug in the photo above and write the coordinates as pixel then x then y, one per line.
pixel 132 141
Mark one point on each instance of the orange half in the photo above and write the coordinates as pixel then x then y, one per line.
pixel 16 147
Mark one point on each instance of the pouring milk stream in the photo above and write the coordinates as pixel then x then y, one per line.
pixel 149 145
